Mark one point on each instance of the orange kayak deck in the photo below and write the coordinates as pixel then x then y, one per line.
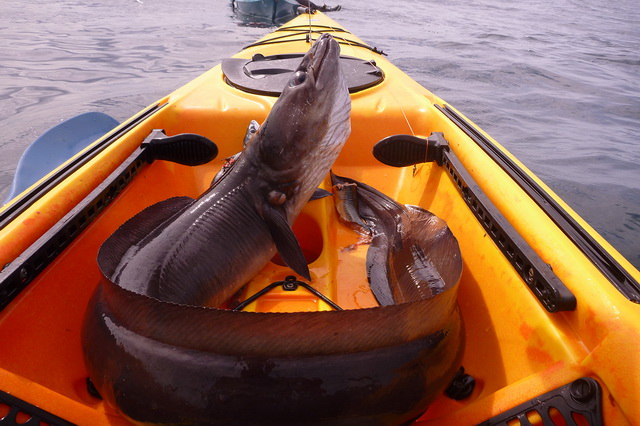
pixel 516 350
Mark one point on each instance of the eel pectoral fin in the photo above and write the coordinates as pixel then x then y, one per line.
pixel 285 240
pixel 320 193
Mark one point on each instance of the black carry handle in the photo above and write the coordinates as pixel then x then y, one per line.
pixel 186 148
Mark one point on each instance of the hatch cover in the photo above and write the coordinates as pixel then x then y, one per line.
pixel 268 75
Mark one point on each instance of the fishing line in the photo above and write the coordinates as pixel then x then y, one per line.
pixel 310 28
pixel 352 44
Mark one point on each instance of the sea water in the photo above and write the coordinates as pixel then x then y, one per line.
pixel 556 82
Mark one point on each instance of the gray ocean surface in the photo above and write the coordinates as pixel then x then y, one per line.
pixel 557 82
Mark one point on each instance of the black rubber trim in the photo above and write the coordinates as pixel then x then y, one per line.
pixel 619 277
pixel 37 415
pixel 188 149
pixel 18 274
pixel 578 402
pixel 537 275
pixel 23 202
pixel 407 150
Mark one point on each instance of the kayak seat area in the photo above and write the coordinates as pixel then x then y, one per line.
pixel 337 263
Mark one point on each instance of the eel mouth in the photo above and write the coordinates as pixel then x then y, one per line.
pixel 326 51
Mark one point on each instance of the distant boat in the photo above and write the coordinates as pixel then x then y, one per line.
pixel 275 12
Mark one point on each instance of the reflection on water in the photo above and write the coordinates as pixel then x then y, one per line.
pixel 555 83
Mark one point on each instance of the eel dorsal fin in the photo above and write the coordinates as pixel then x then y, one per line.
pixel 134 230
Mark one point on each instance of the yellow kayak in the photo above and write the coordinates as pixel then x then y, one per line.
pixel 550 316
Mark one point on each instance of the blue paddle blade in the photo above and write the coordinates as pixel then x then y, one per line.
pixel 57 145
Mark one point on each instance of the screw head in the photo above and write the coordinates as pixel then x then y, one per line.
pixel 24 274
pixel 582 390
pixel 461 387
pixel 530 275
pixel 290 283
pixel 290 286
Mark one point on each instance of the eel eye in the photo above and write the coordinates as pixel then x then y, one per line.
pixel 299 77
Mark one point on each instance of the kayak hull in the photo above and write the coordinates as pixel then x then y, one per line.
pixel 514 347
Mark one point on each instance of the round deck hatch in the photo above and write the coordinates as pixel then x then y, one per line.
pixel 268 75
